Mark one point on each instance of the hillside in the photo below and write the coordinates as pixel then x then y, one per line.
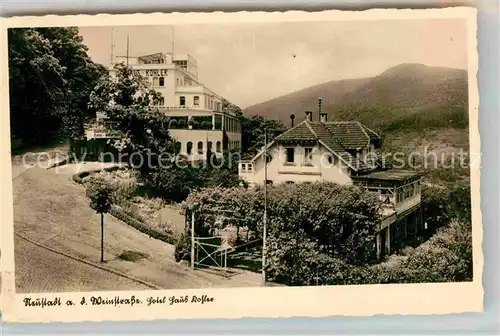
pixel 411 105
pixel 397 96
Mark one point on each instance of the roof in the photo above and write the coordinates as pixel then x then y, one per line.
pixel 338 137
pixel 347 134
pixel 390 175
pixel 151 57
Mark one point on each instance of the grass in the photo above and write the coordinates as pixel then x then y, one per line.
pixel 132 256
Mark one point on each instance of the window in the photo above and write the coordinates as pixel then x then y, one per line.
pixel 177 81
pixel 269 158
pixel 182 100
pixel 161 81
pixel 290 155
pixel 155 81
pixel 330 159
pixel 209 146
pixel 162 101
pixel 196 101
pixel 189 147
pixel 249 168
pixel 178 147
pixel 269 182
pixel 200 147
pixel 218 144
pixel 243 167
pixel 307 155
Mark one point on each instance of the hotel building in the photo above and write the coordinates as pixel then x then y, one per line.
pixel 198 121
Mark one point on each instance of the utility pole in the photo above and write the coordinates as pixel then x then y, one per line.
pixel 112 46
pixel 192 240
pixel 173 41
pixel 127 48
pixel 264 231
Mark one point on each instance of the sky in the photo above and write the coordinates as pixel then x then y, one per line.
pixel 252 62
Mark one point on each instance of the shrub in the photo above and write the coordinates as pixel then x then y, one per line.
pixel 309 226
pixel 441 205
pixel 446 257
pixel 122 182
pixel 183 248
pixel 138 225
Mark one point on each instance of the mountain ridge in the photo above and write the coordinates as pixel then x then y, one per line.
pixel 409 92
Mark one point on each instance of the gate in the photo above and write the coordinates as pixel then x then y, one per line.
pixel 210 252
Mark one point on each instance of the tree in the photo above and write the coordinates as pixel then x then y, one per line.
pixel 252 129
pixel 50 79
pixel 100 194
pixel 129 103
pixel 252 136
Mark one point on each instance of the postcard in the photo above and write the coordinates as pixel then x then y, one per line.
pixel 250 164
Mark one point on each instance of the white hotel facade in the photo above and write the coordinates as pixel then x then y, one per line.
pixel 198 122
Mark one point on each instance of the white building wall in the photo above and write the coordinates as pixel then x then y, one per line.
pixel 279 171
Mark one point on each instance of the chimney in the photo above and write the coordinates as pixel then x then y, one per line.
pixel 324 117
pixel 309 115
pixel 320 102
pixel 292 119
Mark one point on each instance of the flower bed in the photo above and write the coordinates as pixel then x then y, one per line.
pixel 143 214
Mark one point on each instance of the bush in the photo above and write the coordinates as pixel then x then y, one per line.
pixel 446 257
pixel 123 183
pixel 138 225
pixel 183 248
pixel 442 205
pixel 309 226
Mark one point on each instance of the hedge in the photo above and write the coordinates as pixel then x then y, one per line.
pixel 122 215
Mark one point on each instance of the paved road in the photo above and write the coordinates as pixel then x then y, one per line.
pixel 40 270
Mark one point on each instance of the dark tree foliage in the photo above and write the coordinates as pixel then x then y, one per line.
pixel 50 80
pixel 252 129
pixel 128 103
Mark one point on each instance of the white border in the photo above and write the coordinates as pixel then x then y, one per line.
pixel 416 299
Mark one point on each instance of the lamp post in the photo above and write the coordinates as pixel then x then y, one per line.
pixel 264 230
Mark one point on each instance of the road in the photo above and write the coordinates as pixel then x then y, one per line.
pixel 57 273
pixel 50 209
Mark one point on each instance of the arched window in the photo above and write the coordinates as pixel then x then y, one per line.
pixel 209 146
pixel 218 145
pixel 182 100
pixel 178 147
pixel 200 147
pixel 189 148
pixel 196 101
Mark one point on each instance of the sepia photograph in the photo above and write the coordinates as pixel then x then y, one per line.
pixel 203 155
